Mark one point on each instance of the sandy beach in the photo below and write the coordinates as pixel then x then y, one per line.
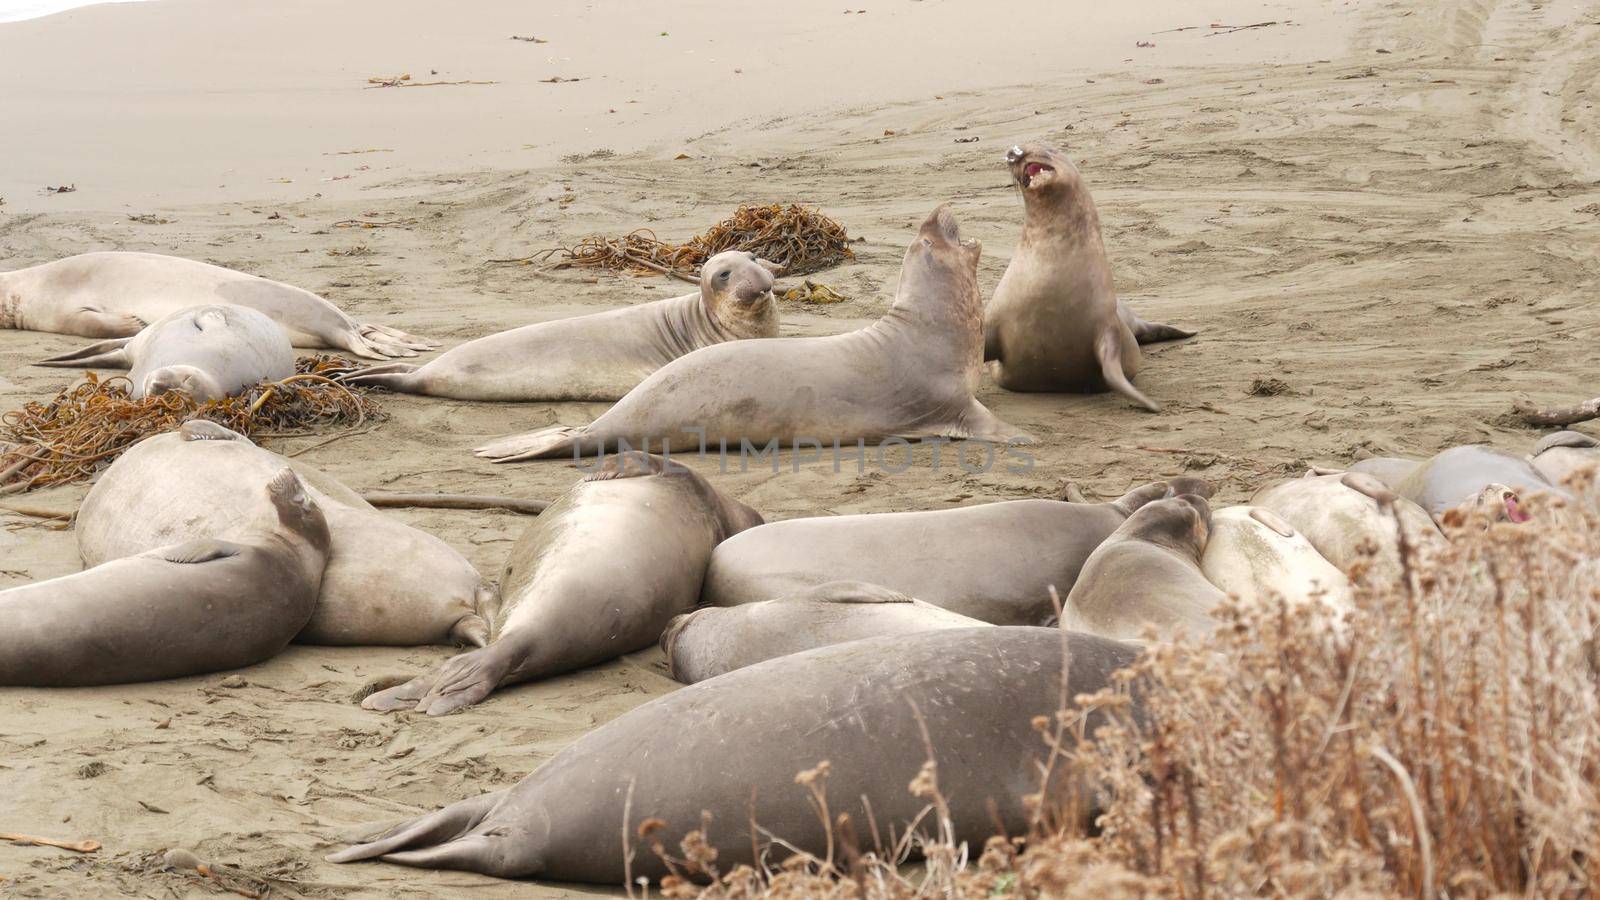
pixel 1381 217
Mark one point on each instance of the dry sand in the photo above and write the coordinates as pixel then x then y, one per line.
pixel 1384 224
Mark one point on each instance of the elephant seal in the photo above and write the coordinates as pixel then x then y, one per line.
pixel 1257 557
pixel 1054 322
pixel 386 583
pixel 1339 514
pixel 1473 475
pixel 600 573
pixel 995 562
pixel 1147 573
pixel 1560 456
pixel 1391 470
pixel 200 606
pixel 874 710
pixel 713 640
pixel 113 294
pixel 911 374
pixel 207 352
pixel 601 356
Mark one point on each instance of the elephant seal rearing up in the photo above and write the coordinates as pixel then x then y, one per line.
pixel 186 609
pixel 911 374
pixel 386 583
pixel 1054 322
pixel 995 562
pixel 732 747
pixel 600 573
pixel 114 294
pixel 713 640
pixel 600 356
pixel 208 352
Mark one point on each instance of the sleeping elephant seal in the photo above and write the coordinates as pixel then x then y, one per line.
pixel 713 640
pixel 910 375
pixel 600 356
pixel 1564 454
pixel 1474 474
pixel 208 352
pixel 201 606
pixel 1147 574
pixel 1339 514
pixel 386 583
pixel 1258 557
pixel 113 294
pixel 600 573
pixel 732 747
pixel 995 562
pixel 1054 322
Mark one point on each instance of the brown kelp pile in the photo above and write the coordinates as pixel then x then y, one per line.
pixel 1442 740
pixel 796 237
pixel 88 424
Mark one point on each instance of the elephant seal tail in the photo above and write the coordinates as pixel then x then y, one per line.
pixel 433 832
pixel 399 377
pixel 542 444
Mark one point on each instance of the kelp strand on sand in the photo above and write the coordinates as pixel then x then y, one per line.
pixel 798 238
pixel 88 424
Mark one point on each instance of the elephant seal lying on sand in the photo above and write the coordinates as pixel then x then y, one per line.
pixel 1339 514
pixel 600 573
pixel 201 606
pixel 1255 555
pixel 207 352
pixel 601 356
pixel 1460 476
pixel 713 640
pixel 386 583
pixel 1147 574
pixel 732 747
pixel 1561 455
pixel 113 294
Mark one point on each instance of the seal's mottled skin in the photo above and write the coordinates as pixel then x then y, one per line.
pixel 995 562
pixel 1341 513
pixel 207 352
pixel 1257 556
pixel 732 746
pixel 600 573
pixel 911 374
pixel 1460 475
pixel 386 584
pixel 1147 575
pixel 185 609
pixel 1054 322
pixel 115 294
pixel 600 356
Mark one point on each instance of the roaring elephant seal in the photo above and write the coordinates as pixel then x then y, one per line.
pixel 909 375
pixel 1147 574
pixel 1256 556
pixel 207 352
pixel 1564 454
pixel 114 294
pixel 600 573
pixel 186 609
pixel 601 356
pixel 995 562
pixel 1471 475
pixel 712 640
pixel 732 747
pixel 1339 514
pixel 386 583
pixel 1054 322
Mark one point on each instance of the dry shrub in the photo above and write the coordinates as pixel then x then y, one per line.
pixel 1443 740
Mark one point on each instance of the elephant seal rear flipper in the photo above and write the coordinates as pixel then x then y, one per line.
pixel 1152 332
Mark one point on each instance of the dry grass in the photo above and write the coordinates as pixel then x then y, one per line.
pixel 1444 740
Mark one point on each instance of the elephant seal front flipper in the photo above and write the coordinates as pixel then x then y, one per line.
pixel 112 354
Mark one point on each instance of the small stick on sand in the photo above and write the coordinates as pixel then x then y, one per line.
pixel 1565 415
pixel 35 512
pixel 385 500
pixel 74 846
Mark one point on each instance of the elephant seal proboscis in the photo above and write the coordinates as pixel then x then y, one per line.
pixel 112 294
pixel 1255 555
pixel 186 609
pixel 713 640
pixel 207 352
pixel 1340 514
pixel 600 573
pixel 600 356
pixel 1147 576
pixel 1564 454
pixel 386 583
pixel 1054 322
pixel 909 375
pixel 732 747
pixel 995 562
